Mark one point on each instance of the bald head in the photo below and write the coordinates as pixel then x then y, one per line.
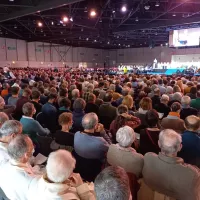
pixel 192 123
pixel 89 121
pixel 60 166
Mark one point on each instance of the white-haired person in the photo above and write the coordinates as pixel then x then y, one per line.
pixel 113 184
pixel 8 109
pixel 123 155
pixel 9 130
pixel 169 92
pixel 75 94
pixel 59 182
pixel 163 107
pixel 176 98
pixel 186 109
pixel 17 174
pixel 167 174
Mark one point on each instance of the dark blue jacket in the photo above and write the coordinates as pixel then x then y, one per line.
pixel 191 148
pixel 77 120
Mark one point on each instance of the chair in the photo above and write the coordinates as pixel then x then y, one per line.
pixel 146 192
pixel 87 168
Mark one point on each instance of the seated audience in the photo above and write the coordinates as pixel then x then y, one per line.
pixel 75 94
pixel 149 136
pixel 163 107
pixel 9 130
pixel 20 102
pixel 191 141
pixel 4 92
pixel 195 103
pixel 173 121
pixel 3 118
pixel 50 113
pixel 86 144
pixel 145 105
pixel 107 112
pixel 59 181
pixel 78 114
pixel 169 92
pixel 128 101
pixel 64 139
pixel 91 106
pixel 112 183
pixel 156 98
pixel 123 155
pixel 168 174
pixel 15 96
pixel 32 127
pixel 6 108
pixel 186 109
pixel 176 98
pixel 17 174
pixel 64 106
pixel 193 93
pixel 35 101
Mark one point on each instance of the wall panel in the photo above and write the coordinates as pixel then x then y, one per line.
pixel 11 45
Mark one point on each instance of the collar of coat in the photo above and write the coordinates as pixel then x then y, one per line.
pixel 170 160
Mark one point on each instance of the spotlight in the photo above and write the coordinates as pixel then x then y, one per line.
pixel 71 19
pixel 157 4
pixel 124 9
pixel 93 13
pixel 65 19
pixel 52 23
pixel 40 24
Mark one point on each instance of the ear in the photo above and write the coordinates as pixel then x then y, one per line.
pixel 180 147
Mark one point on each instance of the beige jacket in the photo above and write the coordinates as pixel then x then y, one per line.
pixel 171 176
pixel 72 189
pixel 126 158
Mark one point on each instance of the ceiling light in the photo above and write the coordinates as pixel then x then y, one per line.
pixel 108 42
pixel 157 4
pixel 136 19
pixel 161 45
pixel 15 26
pixel 82 30
pixel 147 7
pixel 174 15
pixel 52 23
pixel 93 13
pixel 113 11
pixel 65 19
pixel 40 24
pixel 166 44
pixel 71 19
pixel 119 44
pixel 124 9
pixel 61 21
pixel 87 39
pixel 11 0
pixel 95 40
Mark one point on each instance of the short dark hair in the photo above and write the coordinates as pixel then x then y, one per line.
pixel 175 107
pixel 65 102
pixel 122 109
pixel 52 96
pixel 108 97
pixel 112 184
pixel 63 92
pixel 36 94
pixel 193 90
pixel 14 90
pixel 152 118
pixel 101 84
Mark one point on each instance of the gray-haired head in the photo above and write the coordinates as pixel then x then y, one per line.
pixel 60 166
pixel 79 104
pixel 185 101
pixel 75 93
pixel 169 90
pixel 20 148
pixel 28 109
pixel 164 99
pixel 125 91
pixel 112 184
pixel 3 118
pixel 169 142
pixel 10 127
pixel 89 121
pixel 112 87
pixel 125 136
pixel 177 96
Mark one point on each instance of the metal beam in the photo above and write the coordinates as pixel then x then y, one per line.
pixel 169 10
pixel 42 6
pixel 26 27
pixel 16 5
pixel 10 31
pixel 161 24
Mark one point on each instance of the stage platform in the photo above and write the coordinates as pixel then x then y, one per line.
pixel 169 72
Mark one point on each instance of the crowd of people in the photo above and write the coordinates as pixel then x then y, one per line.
pixel 106 137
